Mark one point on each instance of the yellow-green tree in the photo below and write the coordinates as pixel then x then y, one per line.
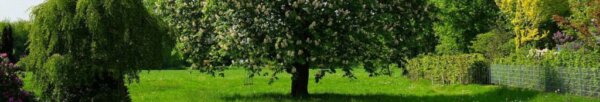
pixel 528 16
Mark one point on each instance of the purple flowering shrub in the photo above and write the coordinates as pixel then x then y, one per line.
pixel 565 41
pixel 10 83
pixel 562 38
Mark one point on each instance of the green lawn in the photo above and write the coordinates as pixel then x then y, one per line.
pixel 192 86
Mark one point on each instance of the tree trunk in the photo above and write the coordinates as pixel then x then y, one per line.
pixel 103 89
pixel 300 80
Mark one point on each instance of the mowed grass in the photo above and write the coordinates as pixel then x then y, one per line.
pixel 193 86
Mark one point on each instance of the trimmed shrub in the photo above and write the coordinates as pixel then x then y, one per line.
pixel 449 69
pixel 564 58
pixel 494 44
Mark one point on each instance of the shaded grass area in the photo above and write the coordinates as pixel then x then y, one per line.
pixel 193 86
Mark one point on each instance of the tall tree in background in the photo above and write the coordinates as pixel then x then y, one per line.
pixel 459 21
pixel 86 50
pixel 20 32
pixel 7 43
pixel 294 36
pixel 17 40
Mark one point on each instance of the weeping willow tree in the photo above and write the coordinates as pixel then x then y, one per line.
pixel 294 36
pixel 86 50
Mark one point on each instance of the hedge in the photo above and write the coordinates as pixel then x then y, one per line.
pixel 574 72
pixel 449 69
pixel 565 58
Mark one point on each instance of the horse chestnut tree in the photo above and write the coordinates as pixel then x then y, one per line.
pixel 295 35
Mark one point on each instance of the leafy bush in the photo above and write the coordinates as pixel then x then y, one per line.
pixel 583 23
pixel 564 58
pixel 530 18
pixel 11 86
pixel 459 21
pixel 565 41
pixel 493 44
pixel 449 69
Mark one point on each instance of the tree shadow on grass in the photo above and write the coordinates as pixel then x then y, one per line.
pixel 498 95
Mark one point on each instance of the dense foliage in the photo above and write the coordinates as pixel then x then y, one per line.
pixel 298 35
pixel 493 44
pixel 530 18
pixel 459 21
pixel 20 32
pixel 562 59
pixel 6 42
pixel 583 24
pixel 11 85
pixel 85 50
pixel 184 19
pixel 572 27
pixel 449 69
pixel 173 57
pixel 18 37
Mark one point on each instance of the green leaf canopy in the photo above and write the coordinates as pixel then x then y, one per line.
pixel 77 46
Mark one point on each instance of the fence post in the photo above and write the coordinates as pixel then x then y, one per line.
pixel 581 85
pixel 520 77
